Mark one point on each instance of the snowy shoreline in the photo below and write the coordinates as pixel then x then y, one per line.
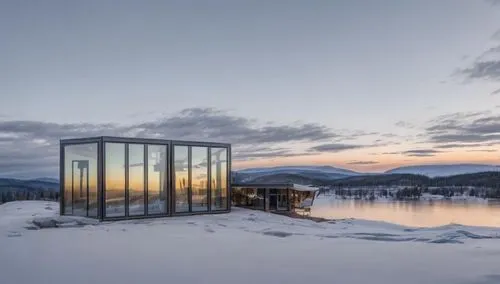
pixel 423 197
pixel 254 246
pixel 36 215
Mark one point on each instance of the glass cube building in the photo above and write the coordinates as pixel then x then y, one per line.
pixel 112 178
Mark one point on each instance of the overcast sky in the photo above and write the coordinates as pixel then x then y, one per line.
pixel 366 85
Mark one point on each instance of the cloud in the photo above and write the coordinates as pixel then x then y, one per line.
pixel 389 135
pixel 340 147
pixel 487 70
pixel 496 35
pixel 450 146
pixel 405 124
pixel 489 54
pixel 362 162
pixel 251 153
pixel 335 147
pixel 483 150
pixel 213 125
pixel 464 138
pixel 495 92
pixel 453 121
pixel 463 130
pixel 486 66
pixel 421 153
pixel 31 148
pixel 493 2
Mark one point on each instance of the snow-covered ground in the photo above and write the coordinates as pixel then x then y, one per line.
pixel 241 247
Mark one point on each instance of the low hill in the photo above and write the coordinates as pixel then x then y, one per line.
pixel 16 189
pixel 287 178
pixel 444 170
pixel 28 185
pixel 301 169
pixel 383 179
pixel 486 179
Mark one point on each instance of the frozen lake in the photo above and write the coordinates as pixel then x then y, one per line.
pixel 424 213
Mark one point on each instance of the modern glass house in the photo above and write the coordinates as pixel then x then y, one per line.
pixel 112 178
pixel 273 197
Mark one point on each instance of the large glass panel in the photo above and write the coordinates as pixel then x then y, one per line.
pixel 115 179
pixel 278 199
pixel 199 179
pixel 283 199
pixel 219 178
pixel 157 170
pixel 80 180
pixel 136 179
pixel 239 196
pixel 253 197
pixel 181 178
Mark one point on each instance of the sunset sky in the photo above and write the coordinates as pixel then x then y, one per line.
pixel 364 85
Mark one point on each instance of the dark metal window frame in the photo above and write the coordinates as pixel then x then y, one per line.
pixel 169 183
pixel 209 178
pixel 228 178
pixel 209 147
pixel 166 187
pixel 62 165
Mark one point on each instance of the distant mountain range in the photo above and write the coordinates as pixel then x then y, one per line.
pixel 332 175
pixel 290 169
pixel 9 184
pixel 458 174
pixel 444 170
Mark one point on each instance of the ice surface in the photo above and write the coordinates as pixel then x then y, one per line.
pixel 241 247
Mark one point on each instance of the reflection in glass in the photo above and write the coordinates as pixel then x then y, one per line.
pixel 250 197
pixel 219 178
pixel 80 180
pixel 238 196
pixel 199 178
pixel 181 178
pixel 136 179
pixel 115 179
pixel 278 199
pixel 157 169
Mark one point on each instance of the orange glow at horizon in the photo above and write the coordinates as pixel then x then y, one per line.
pixel 379 162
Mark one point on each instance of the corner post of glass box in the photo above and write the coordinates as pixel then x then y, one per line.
pixel 61 178
pixel 100 179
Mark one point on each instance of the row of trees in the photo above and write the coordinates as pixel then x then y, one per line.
pixel 407 193
pixel 414 193
pixel 18 195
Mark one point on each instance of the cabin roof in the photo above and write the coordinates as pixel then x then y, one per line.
pixel 292 186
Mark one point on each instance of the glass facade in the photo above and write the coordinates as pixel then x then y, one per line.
pixel 115 179
pixel 136 179
pixel 181 174
pixel 157 179
pixel 278 199
pixel 272 199
pixel 199 179
pixel 80 180
pixel 254 198
pixel 110 178
pixel 219 178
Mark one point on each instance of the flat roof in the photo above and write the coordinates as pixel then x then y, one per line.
pixel 292 186
pixel 141 140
